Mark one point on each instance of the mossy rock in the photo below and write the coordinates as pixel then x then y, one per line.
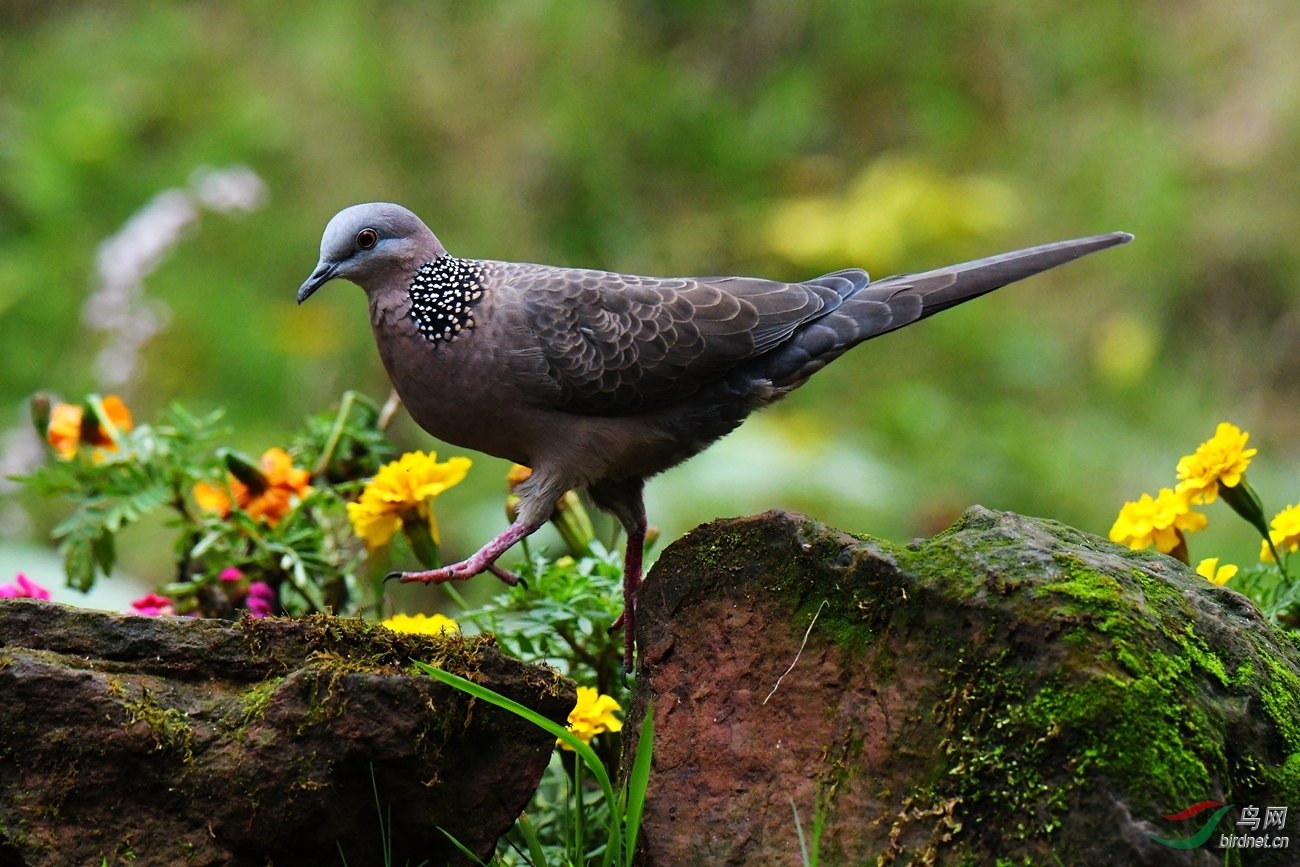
pixel 1010 692
pixel 180 741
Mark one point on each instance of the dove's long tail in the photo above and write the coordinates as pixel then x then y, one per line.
pixel 871 309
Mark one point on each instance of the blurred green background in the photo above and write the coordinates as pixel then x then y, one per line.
pixel 781 138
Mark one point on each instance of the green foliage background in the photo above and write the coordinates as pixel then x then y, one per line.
pixel 679 137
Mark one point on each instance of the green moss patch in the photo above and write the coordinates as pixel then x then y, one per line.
pixel 171 728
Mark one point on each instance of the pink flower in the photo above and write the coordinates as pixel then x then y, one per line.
pixel 153 605
pixel 260 600
pixel 230 573
pixel 23 588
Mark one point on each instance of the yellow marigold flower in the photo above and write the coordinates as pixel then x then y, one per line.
pixel 404 491
pixel 1156 521
pixel 419 624
pixel 1284 531
pixel 1220 460
pixel 65 429
pixel 593 714
pixel 1214 573
pixel 284 483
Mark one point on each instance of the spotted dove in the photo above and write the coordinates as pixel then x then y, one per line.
pixel 600 381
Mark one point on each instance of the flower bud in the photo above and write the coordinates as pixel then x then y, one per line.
pixel 39 407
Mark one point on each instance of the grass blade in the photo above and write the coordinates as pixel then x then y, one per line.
pixel 821 806
pixel 529 833
pixel 585 752
pixel 385 842
pixel 798 827
pixel 462 848
pixel 639 779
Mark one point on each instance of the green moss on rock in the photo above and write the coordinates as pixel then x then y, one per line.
pixel 170 727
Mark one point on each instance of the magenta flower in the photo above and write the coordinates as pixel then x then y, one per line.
pixel 260 600
pixel 230 573
pixel 23 588
pixel 153 605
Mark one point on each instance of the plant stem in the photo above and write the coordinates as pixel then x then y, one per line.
pixel 579 824
pixel 327 454
pixel 1280 560
pixel 456 597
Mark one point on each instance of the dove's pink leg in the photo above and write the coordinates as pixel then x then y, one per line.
pixel 484 560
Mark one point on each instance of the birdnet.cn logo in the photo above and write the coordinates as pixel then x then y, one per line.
pixel 1253 830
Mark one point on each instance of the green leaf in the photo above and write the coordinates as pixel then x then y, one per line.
pixel 79 564
pixel 639 779
pixel 105 550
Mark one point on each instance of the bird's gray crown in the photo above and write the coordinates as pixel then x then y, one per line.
pixel 369 243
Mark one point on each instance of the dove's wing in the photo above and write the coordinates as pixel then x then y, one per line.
pixel 616 344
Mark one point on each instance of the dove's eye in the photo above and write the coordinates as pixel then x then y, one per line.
pixel 367 238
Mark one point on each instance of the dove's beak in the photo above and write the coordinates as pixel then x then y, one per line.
pixel 323 274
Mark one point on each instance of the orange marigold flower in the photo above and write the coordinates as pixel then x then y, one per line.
pixel 118 416
pixel 284 484
pixel 65 430
pixel 212 499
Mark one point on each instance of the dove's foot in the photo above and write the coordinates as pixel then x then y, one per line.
pixel 484 560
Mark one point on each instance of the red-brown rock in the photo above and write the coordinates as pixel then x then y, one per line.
pixel 1010 692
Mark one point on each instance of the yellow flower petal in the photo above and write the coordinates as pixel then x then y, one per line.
pixel 593 714
pixel 1265 552
pixel 420 624
pixel 1210 570
pixel 1155 520
pixel 405 487
pixel 1285 528
pixel 1222 459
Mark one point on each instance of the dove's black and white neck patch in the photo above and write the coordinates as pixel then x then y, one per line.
pixel 443 295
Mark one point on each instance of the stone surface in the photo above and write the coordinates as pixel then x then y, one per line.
pixel 1010 692
pixel 178 741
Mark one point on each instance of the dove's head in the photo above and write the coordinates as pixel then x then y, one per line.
pixel 369 244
